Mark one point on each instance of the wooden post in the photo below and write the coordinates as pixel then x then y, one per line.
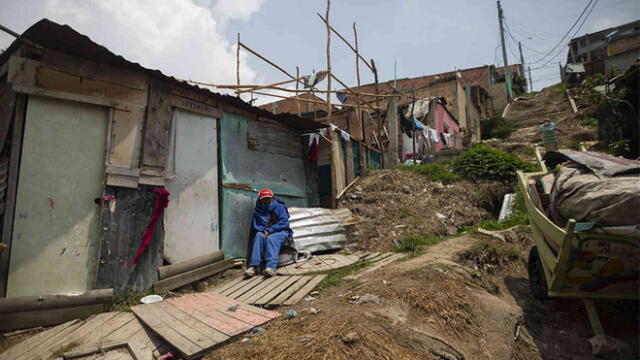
pixel 238 64
pixel 297 84
pixel 359 117
pixel 413 125
pixel 328 60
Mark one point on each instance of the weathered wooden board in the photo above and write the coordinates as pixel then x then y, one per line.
pixel 274 138
pixel 104 328
pixel 188 277
pixel 191 264
pixel 319 263
pixel 271 291
pixel 155 147
pixel 195 323
pixel 121 237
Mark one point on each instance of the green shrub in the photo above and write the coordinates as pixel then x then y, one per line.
pixel 435 172
pixel 484 163
pixel 590 121
pixel 412 242
pixel 497 127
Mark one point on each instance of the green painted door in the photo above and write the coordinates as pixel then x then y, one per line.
pixel 56 224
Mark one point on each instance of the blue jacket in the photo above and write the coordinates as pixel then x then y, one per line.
pixel 272 218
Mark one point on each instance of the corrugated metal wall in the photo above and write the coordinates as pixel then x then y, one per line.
pixel 271 165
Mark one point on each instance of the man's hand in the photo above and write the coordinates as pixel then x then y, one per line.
pixel 266 233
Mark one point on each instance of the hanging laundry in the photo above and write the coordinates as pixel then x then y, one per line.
pixel 162 201
pixel 444 139
pixel 345 136
pixel 314 142
pixel 405 125
pixel 313 79
pixel 342 97
pixel 433 135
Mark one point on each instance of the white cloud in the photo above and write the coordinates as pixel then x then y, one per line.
pixel 182 38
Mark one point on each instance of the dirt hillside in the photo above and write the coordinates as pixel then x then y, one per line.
pixel 528 111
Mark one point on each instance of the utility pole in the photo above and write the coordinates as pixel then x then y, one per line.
pixel 507 74
pixel 522 63
pixel 530 81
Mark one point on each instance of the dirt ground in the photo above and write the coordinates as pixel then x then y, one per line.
pixel 436 306
pixel 391 203
pixel 529 111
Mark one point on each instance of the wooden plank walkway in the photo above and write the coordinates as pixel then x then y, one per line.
pixel 319 263
pixel 273 291
pixel 99 329
pixel 195 323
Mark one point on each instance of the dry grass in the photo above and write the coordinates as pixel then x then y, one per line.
pixel 489 257
pixel 434 292
pixel 389 204
pixel 321 337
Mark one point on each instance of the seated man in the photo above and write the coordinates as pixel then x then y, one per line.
pixel 271 223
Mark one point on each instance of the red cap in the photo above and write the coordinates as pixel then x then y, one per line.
pixel 265 193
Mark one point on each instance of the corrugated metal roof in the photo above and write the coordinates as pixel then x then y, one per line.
pixel 319 229
pixel 65 39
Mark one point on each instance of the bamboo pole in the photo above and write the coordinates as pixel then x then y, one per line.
pixel 238 64
pixel 300 99
pixel 350 90
pixel 328 59
pixel 359 117
pixel 258 87
pixel 297 84
pixel 345 40
pixel 267 61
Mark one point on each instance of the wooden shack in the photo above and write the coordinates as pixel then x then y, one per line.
pixel 85 138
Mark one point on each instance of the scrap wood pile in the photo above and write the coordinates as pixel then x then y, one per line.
pixel 391 203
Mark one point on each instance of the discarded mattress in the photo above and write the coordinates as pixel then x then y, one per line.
pixel 607 202
pixel 319 229
pixel 602 165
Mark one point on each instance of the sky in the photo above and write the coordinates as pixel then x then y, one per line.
pixel 196 39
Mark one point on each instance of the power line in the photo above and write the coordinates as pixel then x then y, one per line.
pixel 565 35
pixel 575 33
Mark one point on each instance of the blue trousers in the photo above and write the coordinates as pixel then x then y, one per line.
pixel 267 248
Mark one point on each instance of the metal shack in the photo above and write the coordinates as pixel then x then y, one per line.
pixel 87 136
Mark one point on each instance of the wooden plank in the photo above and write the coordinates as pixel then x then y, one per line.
pixel 318 263
pixel 242 287
pixel 93 349
pixel 191 264
pixel 162 325
pixel 259 286
pixel 379 257
pixel 121 235
pixel 265 290
pixel 21 320
pixel 280 299
pixel 43 302
pixel 14 166
pixel 370 255
pixel 195 106
pixel 228 284
pixel 243 312
pixel 193 275
pixel 24 346
pixel 193 322
pixel 155 148
pixel 222 323
pixel 44 349
pixel 276 290
pixel 300 294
